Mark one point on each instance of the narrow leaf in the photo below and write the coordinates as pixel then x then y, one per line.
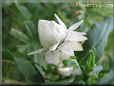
pixel 23 10
pixel 25 67
pixel 68 62
pixel 19 35
pixel 107 78
pixel 91 60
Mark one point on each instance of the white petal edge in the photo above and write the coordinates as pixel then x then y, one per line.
pixel 52 48
pixel 76 25
pixel 60 21
pixel 65 71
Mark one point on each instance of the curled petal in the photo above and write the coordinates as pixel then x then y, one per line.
pixel 65 71
pixel 76 25
pixel 75 36
pixel 50 33
pixel 46 33
pixel 70 47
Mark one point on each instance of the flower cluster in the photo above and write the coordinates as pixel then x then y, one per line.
pixel 59 44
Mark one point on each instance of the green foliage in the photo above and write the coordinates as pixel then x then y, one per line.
pixel 52 68
pixel 23 10
pixel 91 70
pixel 25 67
pixel 106 78
pixel 20 35
pixel 97 38
pixel 73 57
pixel 69 63
pixel 91 60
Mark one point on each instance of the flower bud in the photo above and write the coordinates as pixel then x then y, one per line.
pixel 65 71
pixel 50 33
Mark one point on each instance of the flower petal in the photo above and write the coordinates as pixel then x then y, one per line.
pixel 46 33
pixel 65 71
pixel 60 21
pixel 76 25
pixel 70 47
pixel 50 33
pixel 52 48
pixel 64 56
pixel 52 57
pixel 75 36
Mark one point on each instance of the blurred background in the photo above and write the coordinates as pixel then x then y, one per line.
pixel 19 29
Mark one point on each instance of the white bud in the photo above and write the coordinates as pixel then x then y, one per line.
pixel 65 71
pixel 50 33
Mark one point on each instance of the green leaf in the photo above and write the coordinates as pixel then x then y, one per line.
pixel 69 62
pixel 7 2
pixel 31 30
pixel 96 69
pixel 92 79
pixel 19 35
pixel 25 48
pixel 73 57
pixel 107 78
pixel 25 67
pixel 64 81
pixel 91 60
pixel 52 77
pixel 40 63
pixel 23 10
pixel 67 80
pixel 51 68
pixel 97 38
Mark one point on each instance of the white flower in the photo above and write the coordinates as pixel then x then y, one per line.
pixel 59 43
pixel 64 51
pixel 51 34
